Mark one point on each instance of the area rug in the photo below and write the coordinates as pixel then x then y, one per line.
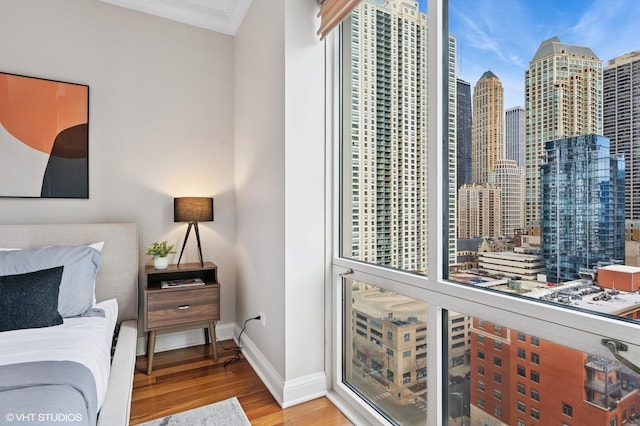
pixel 224 413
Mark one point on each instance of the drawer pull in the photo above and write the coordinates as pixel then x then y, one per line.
pixel 183 307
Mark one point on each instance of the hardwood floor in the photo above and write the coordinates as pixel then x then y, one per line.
pixel 187 378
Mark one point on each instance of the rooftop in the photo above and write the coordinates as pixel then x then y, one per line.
pixel 553 46
pixel 622 268
pixel 584 294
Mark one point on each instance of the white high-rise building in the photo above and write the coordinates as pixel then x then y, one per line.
pixel 386 143
pixel 514 134
pixel 510 178
pixel 563 98
pixel 479 211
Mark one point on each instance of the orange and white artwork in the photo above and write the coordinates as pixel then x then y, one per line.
pixel 44 138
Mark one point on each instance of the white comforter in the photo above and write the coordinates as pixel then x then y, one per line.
pixel 84 340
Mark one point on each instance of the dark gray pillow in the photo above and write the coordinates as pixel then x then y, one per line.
pixel 80 269
pixel 30 300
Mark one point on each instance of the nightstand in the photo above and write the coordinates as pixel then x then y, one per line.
pixel 197 305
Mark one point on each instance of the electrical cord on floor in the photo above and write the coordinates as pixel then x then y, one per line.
pixel 239 347
pixel 226 348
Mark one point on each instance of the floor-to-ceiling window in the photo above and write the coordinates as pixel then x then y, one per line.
pixel 498 301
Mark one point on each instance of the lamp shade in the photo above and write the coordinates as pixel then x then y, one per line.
pixel 193 209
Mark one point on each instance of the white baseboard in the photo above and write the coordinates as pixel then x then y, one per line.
pixel 286 394
pixel 183 338
pixel 267 373
pixel 304 389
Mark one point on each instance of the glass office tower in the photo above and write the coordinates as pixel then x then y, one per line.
pixel 582 206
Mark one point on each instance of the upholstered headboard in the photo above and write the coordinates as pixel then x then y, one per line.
pixel 118 273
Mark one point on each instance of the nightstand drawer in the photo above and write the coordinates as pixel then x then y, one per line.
pixel 167 308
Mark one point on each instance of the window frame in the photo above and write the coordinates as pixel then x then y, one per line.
pixel 579 330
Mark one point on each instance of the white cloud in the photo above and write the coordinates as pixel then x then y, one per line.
pixel 503 36
pixel 608 27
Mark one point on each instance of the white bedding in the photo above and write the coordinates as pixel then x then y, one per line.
pixel 85 340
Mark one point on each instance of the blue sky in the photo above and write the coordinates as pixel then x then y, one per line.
pixel 502 36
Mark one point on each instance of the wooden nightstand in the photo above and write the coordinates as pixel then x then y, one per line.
pixel 179 306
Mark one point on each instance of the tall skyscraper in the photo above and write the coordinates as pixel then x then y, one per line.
pixel 452 187
pixel 514 135
pixel 386 143
pixel 487 134
pixel 463 136
pixel 621 121
pixel 479 211
pixel 510 178
pixel 582 215
pixel 563 98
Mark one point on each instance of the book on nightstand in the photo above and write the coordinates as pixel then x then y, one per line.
pixel 188 282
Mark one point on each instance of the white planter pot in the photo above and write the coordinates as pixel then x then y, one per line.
pixel 161 262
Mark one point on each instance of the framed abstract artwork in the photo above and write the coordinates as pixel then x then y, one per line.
pixel 44 138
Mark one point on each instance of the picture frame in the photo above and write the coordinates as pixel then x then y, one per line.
pixel 44 138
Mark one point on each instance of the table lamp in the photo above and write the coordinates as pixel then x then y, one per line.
pixel 192 210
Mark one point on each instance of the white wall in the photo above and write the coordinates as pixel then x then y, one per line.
pixel 160 119
pixel 260 176
pixel 279 115
pixel 305 203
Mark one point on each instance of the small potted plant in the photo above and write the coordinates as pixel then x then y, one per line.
pixel 160 252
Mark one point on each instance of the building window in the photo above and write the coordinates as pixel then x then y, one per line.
pixel 522 354
pixel 535 358
pixel 497 361
pixel 567 410
pixel 497 377
pixel 522 390
pixel 535 413
pixel 521 407
pixel 535 376
pixel 522 372
pixel 535 395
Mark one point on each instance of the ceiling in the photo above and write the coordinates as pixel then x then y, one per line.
pixel 224 16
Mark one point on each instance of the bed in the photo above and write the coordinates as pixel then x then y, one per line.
pixel 115 304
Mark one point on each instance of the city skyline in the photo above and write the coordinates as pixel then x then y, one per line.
pixel 490 35
pixel 569 181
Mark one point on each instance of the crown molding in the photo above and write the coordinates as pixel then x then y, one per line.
pixel 223 16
